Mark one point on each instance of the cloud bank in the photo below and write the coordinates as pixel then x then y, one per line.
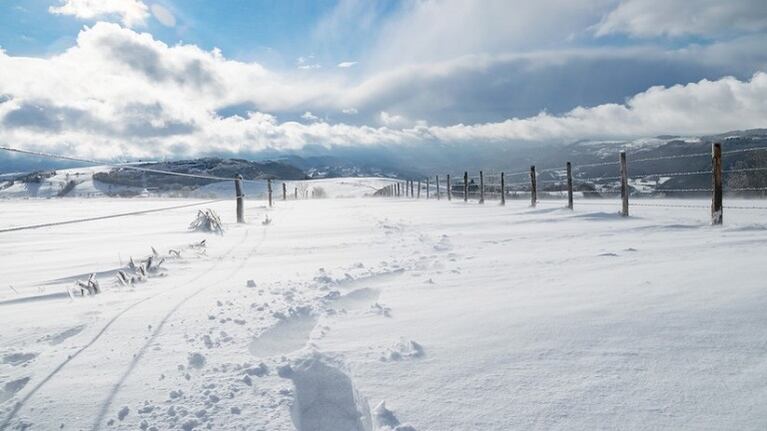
pixel 447 72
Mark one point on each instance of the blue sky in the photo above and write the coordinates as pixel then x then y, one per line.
pixel 272 32
pixel 109 77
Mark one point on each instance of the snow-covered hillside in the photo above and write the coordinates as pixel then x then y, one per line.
pixel 458 316
pixel 79 182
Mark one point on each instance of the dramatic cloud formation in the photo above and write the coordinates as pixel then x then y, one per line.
pixel 648 18
pixel 130 12
pixel 450 72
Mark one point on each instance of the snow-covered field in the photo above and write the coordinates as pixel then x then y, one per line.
pixel 458 316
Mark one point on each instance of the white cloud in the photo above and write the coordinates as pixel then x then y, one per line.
pixel 346 64
pixel 118 92
pixel 163 15
pixel 650 18
pixel 393 120
pixel 350 111
pixel 130 12
pixel 310 117
pixel 427 31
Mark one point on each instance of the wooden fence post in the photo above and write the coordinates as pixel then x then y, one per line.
pixel 481 187
pixel 449 189
pixel 284 191
pixel 436 181
pixel 465 186
pixel 238 194
pixel 427 187
pixel 418 196
pixel 407 188
pixel 716 199
pixel 569 186
pixel 624 185
pixel 533 187
pixel 295 193
pixel 503 189
pixel 269 191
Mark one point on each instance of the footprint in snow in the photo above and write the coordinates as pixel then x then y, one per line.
pixel 288 335
pixel 9 389
pixel 15 359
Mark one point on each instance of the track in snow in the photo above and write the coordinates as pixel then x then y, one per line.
pixel 156 332
pixel 21 403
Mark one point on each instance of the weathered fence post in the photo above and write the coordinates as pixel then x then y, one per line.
pixel 269 191
pixel 295 193
pixel 436 181
pixel 284 191
pixel 239 196
pixel 465 186
pixel 624 185
pixel 481 187
pixel 449 189
pixel 503 189
pixel 533 187
pixel 569 186
pixel 716 200
pixel 427 187
pixel 407 188
pixel 418 196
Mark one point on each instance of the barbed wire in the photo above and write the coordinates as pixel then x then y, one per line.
pixel 679 156
pixel 729 171
pixel 744 150
pixel 746 189
pixel 682 190
pixel 88 219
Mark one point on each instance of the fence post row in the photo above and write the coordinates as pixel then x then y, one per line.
pixel 503 189
pixel 465 186
pixel 269 191
pixel 396 189
pixel 238 194
pixel 533 187
pixel 569 186
pixel 624 185
pixel 716 199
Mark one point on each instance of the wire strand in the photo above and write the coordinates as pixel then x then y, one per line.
pixel 120 165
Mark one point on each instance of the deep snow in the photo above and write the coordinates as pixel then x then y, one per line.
pixel 458 316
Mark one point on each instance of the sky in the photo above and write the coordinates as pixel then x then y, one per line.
pixel 170 78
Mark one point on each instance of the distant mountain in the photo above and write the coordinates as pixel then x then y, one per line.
pixel 594 162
